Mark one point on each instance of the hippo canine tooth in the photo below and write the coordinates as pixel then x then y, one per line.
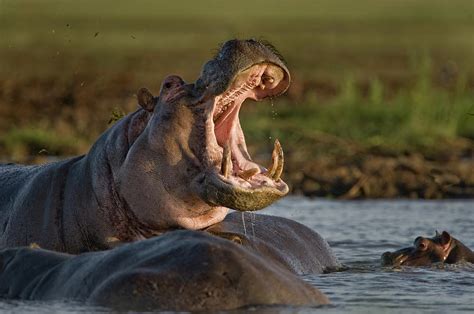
pixel 280 163
pixel 226 167
pixel 276 168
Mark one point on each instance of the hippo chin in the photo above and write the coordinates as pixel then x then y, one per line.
pixel 180 161
pixel 180 271
pixel 442 248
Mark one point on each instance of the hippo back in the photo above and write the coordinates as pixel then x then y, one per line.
pixel 180 270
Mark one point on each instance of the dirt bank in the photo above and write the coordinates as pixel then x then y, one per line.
pixel 376 176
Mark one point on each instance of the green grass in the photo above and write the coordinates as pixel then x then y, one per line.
pixel 319 38
pixel 24 143
pixel 415 119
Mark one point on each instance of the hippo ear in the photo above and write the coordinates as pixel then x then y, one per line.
pixel 437 234
pixel 145 99
pixel 445 238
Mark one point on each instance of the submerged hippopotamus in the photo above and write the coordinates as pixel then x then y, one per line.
pixel 442 248
pixel 181 271
pixel 179 161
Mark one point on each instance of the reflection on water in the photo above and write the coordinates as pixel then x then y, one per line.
pixel 359 232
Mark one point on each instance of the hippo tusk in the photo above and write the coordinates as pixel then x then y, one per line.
pixel 226 167
pixel 275 170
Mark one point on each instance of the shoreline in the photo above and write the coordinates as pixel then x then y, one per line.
pixel 367 176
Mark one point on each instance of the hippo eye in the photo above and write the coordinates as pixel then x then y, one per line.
pixel 167 85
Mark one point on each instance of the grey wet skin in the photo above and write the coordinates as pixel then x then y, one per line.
pixel 290 244
pixel 179 161
pixel 206 272
pixel 442 248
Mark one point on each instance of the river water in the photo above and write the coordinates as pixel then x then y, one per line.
pixel 359 232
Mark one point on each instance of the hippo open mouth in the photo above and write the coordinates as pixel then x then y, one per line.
pixel 234 180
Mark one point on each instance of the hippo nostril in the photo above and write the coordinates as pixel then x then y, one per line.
pixel 387 259
pixel 267 79
pixel 172 81
pixel 421 244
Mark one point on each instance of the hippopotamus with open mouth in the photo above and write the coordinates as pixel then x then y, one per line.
pixel 179 161
pixel 442 248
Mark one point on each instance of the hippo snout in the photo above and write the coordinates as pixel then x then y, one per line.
pixel 387 259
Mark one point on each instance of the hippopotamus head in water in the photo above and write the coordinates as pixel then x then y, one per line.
pixel 426 251
pixel 190 163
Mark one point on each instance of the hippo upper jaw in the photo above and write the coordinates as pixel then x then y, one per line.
pixel 231 178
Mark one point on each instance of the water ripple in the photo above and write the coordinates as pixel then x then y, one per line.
pixel 360 231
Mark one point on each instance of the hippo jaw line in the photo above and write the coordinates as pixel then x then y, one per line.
pixel 232 179
pixel 395 259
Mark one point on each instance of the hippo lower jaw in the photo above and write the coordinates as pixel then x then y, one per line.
pixel 232 180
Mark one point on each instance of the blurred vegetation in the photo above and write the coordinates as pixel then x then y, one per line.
pixel 382 76
pixel 414 119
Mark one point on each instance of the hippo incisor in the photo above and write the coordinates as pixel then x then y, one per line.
pixel 179 161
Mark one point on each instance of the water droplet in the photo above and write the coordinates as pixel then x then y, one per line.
pixel 252 223
pixel 243 223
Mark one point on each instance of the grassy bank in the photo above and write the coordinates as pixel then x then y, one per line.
pixel 413 119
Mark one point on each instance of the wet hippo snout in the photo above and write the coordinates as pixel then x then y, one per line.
pixel 387 259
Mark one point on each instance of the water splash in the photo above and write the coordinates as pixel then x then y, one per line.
pixel 243 223
pixel 274 113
